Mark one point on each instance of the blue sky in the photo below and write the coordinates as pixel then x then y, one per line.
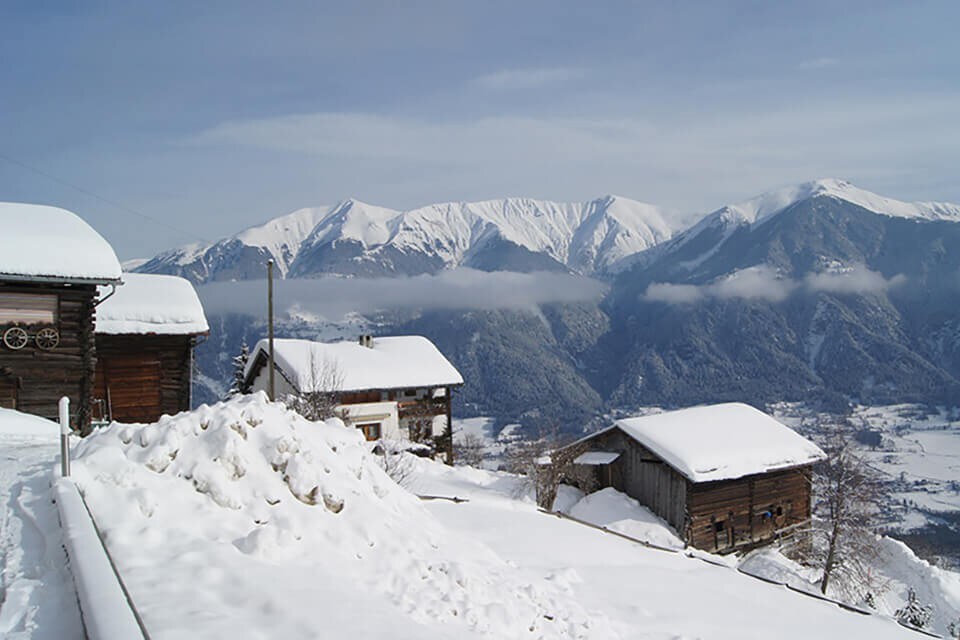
pixel 214 116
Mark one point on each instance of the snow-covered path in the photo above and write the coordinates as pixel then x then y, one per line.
pixel 37 598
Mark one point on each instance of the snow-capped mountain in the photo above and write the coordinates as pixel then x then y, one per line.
pixel 355 238
pixel 757 211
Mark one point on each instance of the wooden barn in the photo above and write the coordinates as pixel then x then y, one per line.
pixel 725 477
pixel 145 336
pixel 51 263
pixel 396 387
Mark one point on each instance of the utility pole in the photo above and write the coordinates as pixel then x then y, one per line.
pixel 271 391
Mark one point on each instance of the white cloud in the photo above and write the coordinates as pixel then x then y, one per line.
pixel 683 160
pixel 333 297
pixel 510 79
pixel 763 283
pixel 857 279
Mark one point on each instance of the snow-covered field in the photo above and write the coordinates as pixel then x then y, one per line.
pixel 918 451
pixel 284 528
pixel 37 599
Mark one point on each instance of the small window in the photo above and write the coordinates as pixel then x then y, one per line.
pixel 28 308
pixel 410 393
pixel 718 525
pixel 371 430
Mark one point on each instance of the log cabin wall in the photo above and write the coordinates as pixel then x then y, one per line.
pixel 730 514
pixel 34 379
pixel 143 376
pixel 642 475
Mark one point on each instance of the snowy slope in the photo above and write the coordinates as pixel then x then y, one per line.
pixel 585 237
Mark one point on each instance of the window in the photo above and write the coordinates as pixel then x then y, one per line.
pixel 410 393
pixel 28 308
pixel 371 430
pixel 718 525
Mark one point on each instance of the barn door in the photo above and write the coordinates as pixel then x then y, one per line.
pixel 130 387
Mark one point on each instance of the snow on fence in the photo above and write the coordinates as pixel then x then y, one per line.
pixel 708 560
pixel 105 606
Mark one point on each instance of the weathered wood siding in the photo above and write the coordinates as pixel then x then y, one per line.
pixel 38 378
pixel 143 376
pixel 642 475
pixel 729 514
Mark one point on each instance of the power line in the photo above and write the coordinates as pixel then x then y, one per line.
pixel 87 192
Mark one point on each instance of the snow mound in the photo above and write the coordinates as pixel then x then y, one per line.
pixel 17 424
pixel 290 527
pixel 619 512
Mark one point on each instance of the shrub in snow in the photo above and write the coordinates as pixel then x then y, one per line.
pixel 914 613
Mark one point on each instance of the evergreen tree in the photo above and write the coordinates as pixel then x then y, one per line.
pixel 239 366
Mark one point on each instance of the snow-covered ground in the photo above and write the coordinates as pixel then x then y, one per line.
pixel 644 593
pixel 244 520
pixel 37 599
pixel 285 528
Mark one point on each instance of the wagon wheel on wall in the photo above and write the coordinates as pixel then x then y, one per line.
pixel 15 338
pixel 47 339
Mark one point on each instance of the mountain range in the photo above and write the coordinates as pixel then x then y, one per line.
pixel 358 239
pixel 820 292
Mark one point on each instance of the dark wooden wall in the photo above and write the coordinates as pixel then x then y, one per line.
pixel 730 514
pixel 146 375
pixel 642 475
pixel 39 378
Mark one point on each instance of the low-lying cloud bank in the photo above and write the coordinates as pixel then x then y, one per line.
pixel 334 297
pixel 764 283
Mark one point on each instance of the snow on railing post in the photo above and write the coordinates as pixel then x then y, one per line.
pixel 64 436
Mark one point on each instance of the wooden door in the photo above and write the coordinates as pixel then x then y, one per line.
pixel 8 391
pixel 130 387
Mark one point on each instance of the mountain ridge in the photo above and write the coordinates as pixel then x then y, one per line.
pixel 356 238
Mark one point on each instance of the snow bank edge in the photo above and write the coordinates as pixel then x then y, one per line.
pixel 106 612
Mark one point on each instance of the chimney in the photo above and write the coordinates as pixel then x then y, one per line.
pixel 366 341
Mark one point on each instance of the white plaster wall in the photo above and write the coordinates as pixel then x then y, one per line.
pixel 383 412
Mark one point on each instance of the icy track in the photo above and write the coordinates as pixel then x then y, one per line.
pixel 37 599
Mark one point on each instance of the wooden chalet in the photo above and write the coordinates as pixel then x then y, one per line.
pixel 51 264
pixel 145 336
pixel 396 387
pixel 725 477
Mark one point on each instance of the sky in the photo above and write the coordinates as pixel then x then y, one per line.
pixel 168 123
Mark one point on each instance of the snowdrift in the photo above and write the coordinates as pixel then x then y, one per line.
pixel 243 518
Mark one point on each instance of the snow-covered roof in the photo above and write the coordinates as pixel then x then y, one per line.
pixel 163 305
pixel 596 458
pixel 721 442
pixel 392 362
pixel 40 242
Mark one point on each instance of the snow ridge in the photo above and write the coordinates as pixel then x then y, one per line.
pixel 585 237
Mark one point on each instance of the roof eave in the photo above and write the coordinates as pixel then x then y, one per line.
pixel 19 277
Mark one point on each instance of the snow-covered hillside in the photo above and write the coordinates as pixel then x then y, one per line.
pixel 285 528
pixel 355 237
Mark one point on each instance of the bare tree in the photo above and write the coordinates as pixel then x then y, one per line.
pixel 321 390
pixel 396 461
pixel 470 450
pixel 843 543
pixel 544 462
